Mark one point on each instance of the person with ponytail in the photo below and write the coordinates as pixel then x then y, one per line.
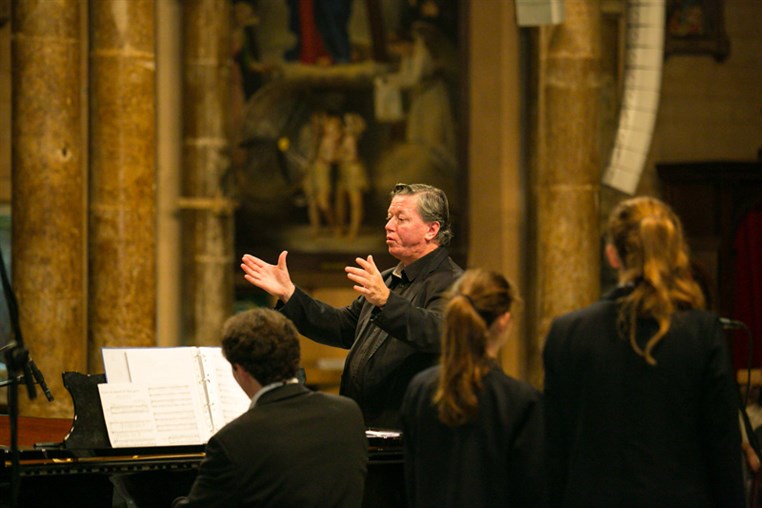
pixel 472 435
pixel 640 402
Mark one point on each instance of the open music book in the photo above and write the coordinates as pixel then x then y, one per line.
pixel 161 396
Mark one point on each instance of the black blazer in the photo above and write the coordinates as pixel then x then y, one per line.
pixel 624 433
pixel 406 334
pixel 296 447
pixel 495 460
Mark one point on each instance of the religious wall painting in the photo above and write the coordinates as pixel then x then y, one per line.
pixel 696 27
pixel 333 104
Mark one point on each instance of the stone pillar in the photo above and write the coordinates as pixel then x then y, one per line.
pixel 567 167
pixel 48 200
pixel 122 176
pixel 497 216
pixel 169 161
pixel 208 213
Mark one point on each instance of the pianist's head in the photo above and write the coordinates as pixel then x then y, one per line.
pixel 262 346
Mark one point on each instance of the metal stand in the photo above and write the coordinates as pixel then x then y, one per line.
pixel 20 368
pixel 15 357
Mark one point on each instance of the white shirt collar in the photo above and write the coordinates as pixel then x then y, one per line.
pixel 271 386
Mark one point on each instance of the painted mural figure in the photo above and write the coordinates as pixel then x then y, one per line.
pixel 430 121
pixel 320 27
pixel 352 181
pixel 685 17
pixel 318 180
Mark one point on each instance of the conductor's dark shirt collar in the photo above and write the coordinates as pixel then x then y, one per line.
pixel 421 266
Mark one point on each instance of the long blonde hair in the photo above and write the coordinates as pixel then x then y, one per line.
pixel 476 300
pixel 648 238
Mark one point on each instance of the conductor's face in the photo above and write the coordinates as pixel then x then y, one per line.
pixel 408 236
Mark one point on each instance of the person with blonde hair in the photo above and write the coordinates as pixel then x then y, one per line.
pixel 640 403
pixel 473 435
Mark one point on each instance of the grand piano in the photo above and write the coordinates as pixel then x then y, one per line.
pixel 70 462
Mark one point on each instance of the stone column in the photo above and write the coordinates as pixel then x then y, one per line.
pixel 122 175
pixel 568 167
pixel 169 161
pixel 48 200
pixel 497 215
pixel 208 227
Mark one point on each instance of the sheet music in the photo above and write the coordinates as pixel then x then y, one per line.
pixel 151 364
pixel 190 391
pixel 158 365
pixel 228 401
pixel 139 414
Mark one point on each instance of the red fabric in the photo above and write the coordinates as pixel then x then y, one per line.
pixel 747 306
pixel 312 47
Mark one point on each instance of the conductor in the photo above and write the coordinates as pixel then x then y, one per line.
pixel 392 328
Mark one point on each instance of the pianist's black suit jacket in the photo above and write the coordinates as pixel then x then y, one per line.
pixel 295 448
pixel 625 433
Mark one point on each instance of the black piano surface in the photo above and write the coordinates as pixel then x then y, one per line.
pixel 142 477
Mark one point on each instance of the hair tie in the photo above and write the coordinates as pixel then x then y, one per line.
pixel 481 313
pixel 486 316
pixel 469 301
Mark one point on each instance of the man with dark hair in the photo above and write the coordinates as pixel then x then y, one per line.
pixel 293 447
pixel 393 327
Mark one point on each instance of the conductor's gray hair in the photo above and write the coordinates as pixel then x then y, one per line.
pixel 432 207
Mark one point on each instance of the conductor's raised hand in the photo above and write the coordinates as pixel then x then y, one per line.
pixel 368 281
pixel 274 279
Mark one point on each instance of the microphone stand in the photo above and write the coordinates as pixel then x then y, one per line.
pixel 751 436
pixel 20 368
pixel 14 357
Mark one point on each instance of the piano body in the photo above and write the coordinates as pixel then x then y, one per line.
pixel 70 463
